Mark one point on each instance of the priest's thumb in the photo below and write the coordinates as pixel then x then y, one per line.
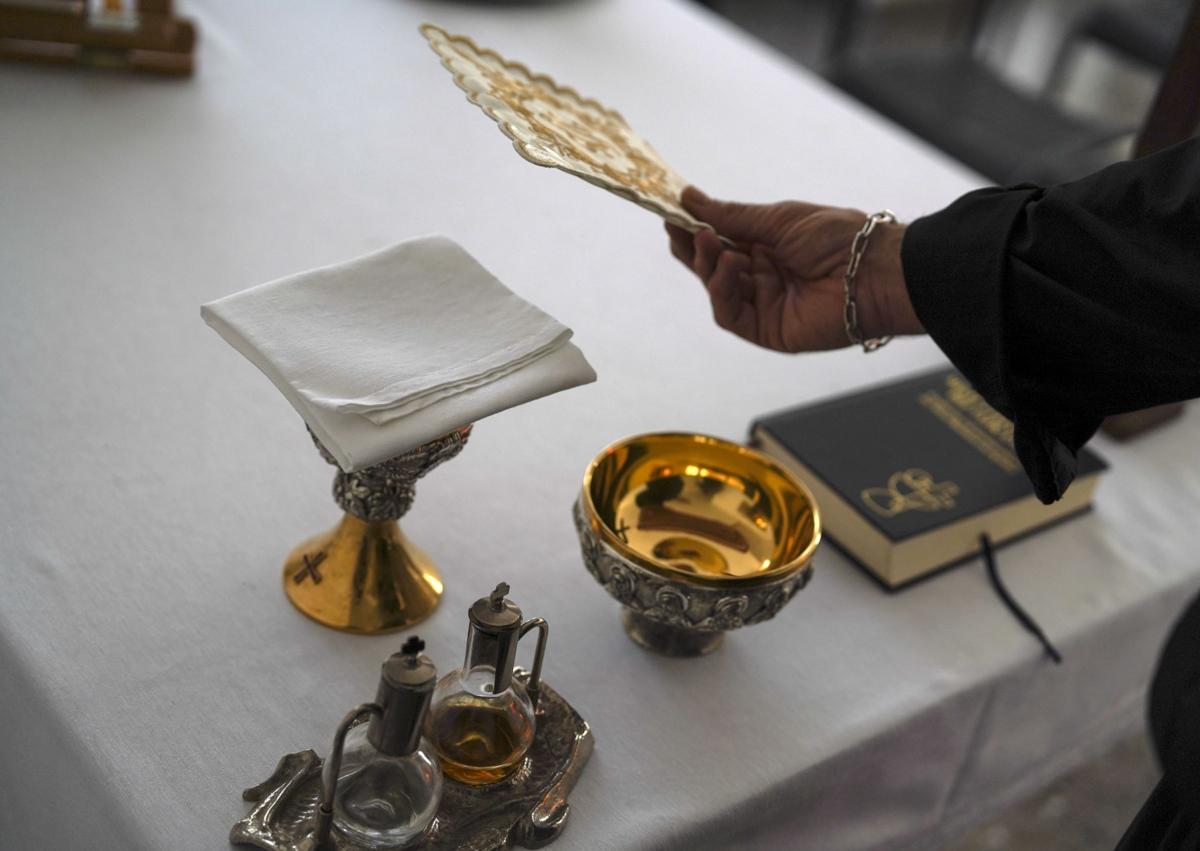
pixel 733 220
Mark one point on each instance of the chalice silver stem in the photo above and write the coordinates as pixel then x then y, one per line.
pixel 364 575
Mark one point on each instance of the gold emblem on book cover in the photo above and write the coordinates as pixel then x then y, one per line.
pixel 910 490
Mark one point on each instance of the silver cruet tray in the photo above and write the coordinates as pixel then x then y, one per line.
pixel 528 809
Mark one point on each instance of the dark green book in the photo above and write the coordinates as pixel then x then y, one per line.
pixel 908 475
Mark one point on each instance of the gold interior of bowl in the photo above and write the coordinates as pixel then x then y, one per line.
pixel 702 508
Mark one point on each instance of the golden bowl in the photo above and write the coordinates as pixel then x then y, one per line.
pixel 694 536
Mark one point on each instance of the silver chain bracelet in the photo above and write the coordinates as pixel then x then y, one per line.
pixel 849 286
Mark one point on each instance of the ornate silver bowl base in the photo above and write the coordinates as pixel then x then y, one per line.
pixel 528 809
pixel 666 639
pixel 676 617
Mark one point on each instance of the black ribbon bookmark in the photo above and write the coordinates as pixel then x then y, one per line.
pixel 989 559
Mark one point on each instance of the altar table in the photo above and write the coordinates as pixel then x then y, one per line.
pixel 153 480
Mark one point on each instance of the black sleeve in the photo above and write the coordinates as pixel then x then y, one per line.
pixel 1065 304
pixel 1170 818
pixel 1161 825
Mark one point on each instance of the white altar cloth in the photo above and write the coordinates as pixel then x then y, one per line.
pixel 150 667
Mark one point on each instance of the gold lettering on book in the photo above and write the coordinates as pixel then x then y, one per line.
pixel 964 396
pixel 972 419
pixel 910 490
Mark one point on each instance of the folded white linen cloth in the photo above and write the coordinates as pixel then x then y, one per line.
pixel 385 352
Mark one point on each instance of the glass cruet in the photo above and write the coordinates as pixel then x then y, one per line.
pixel 382 783
pixel 482 720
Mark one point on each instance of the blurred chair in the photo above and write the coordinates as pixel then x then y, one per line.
pixel 956 101
pixel 1174 116
pixel 1175 113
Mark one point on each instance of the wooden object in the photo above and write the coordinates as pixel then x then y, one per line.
pixel 1135 423
pixel 145 37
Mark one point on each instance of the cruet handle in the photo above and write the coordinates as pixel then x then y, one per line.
pixel 535 677
pixel 329 776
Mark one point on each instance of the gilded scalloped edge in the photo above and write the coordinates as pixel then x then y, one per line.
pixel 432 32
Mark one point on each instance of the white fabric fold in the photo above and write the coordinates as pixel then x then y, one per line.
pixel 389 350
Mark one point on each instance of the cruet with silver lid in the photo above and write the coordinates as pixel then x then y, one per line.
pixel 382 784
pixel 482 720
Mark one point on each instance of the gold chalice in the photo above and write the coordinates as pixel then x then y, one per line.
pixel 364 575
pixel 694 536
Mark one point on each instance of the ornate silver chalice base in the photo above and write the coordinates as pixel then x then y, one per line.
pixel 528 809
pixel 364 575
pixel 694 536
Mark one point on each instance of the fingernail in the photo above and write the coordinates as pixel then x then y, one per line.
pixel 697 195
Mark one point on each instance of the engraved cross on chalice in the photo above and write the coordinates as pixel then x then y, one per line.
pixel 364 575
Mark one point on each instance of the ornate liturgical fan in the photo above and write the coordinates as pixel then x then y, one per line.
pixel 554 126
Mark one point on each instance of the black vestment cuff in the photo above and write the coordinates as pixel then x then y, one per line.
pixel 955 263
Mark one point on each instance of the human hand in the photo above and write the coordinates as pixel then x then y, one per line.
pixel 780 284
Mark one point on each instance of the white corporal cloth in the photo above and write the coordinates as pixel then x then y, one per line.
pixel 151 668
pixel 387 351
